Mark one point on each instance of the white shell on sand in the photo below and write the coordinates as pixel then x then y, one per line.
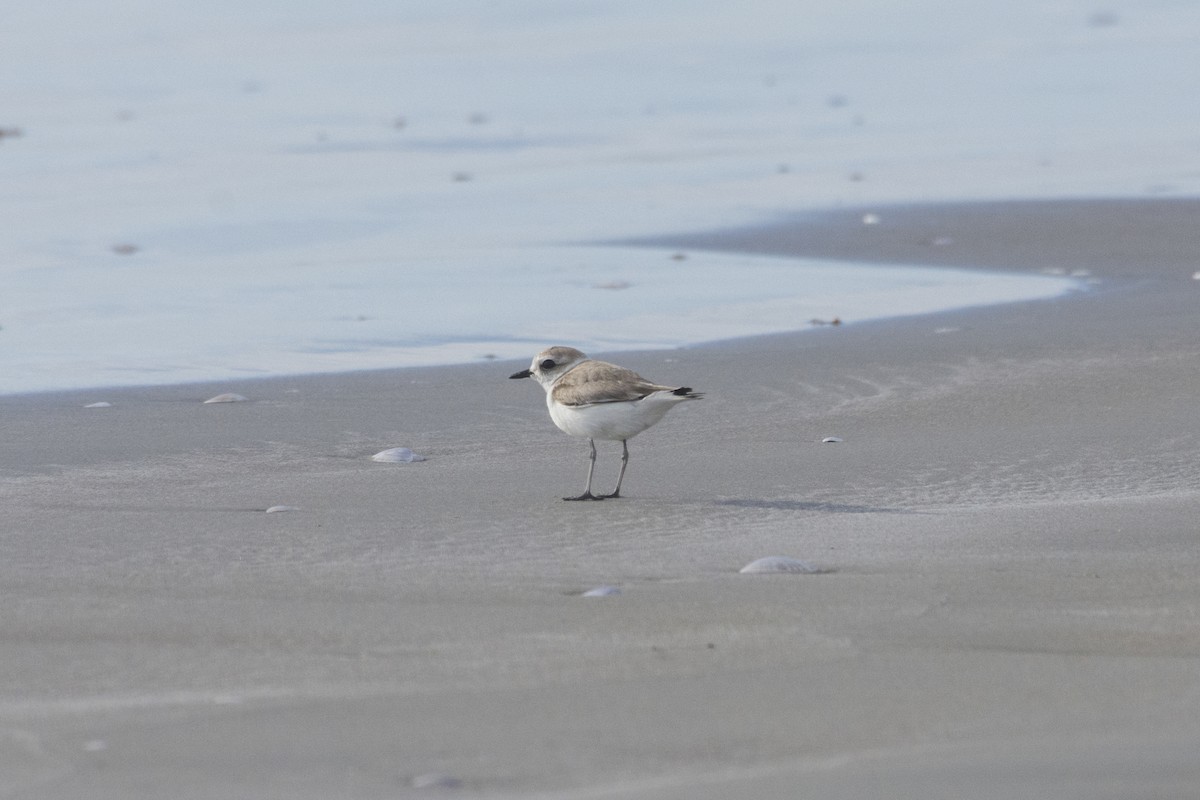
pixel 435 780
pixel 831 440
pixel 602 591
pixel 101 404
pixel 779 564
pixel 871 219
pixel 280 509
pixel 397 455
pixel 228 397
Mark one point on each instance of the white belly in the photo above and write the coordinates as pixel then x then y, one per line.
pixel 617 421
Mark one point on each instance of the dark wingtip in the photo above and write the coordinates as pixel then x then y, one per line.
pixel 686 391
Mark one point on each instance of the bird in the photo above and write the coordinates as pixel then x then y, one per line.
pixel 599 400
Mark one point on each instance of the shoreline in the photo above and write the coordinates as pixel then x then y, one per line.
pixel 1007 527
pixel 913 234
pixel 1098 234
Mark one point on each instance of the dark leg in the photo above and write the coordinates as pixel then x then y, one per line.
pixel 587 492
pixel 621 475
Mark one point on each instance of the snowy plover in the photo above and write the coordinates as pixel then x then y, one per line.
pixel 600 401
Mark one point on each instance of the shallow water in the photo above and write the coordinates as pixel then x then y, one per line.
pixel 208 192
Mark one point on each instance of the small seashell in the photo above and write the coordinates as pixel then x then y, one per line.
pixel 831 440
pixel 871 219
pixel 1196 276
pixel 228 397
pixel 397 455
pixel 435 780
pixel 779 565
pixel 602 591
pixel 280 509
pixel 101 404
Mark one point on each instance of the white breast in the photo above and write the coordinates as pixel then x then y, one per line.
pixel 617 421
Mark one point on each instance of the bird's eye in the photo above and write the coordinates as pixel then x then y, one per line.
pixel 548 364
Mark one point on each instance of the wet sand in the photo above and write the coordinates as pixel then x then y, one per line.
pixel 1010 607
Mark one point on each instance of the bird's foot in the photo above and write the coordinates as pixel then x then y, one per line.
pixel 616 494
pixel 587 496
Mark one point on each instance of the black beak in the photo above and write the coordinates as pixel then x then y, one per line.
pixel 522 374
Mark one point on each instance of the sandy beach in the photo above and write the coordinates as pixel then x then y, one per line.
pixel 1009 605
